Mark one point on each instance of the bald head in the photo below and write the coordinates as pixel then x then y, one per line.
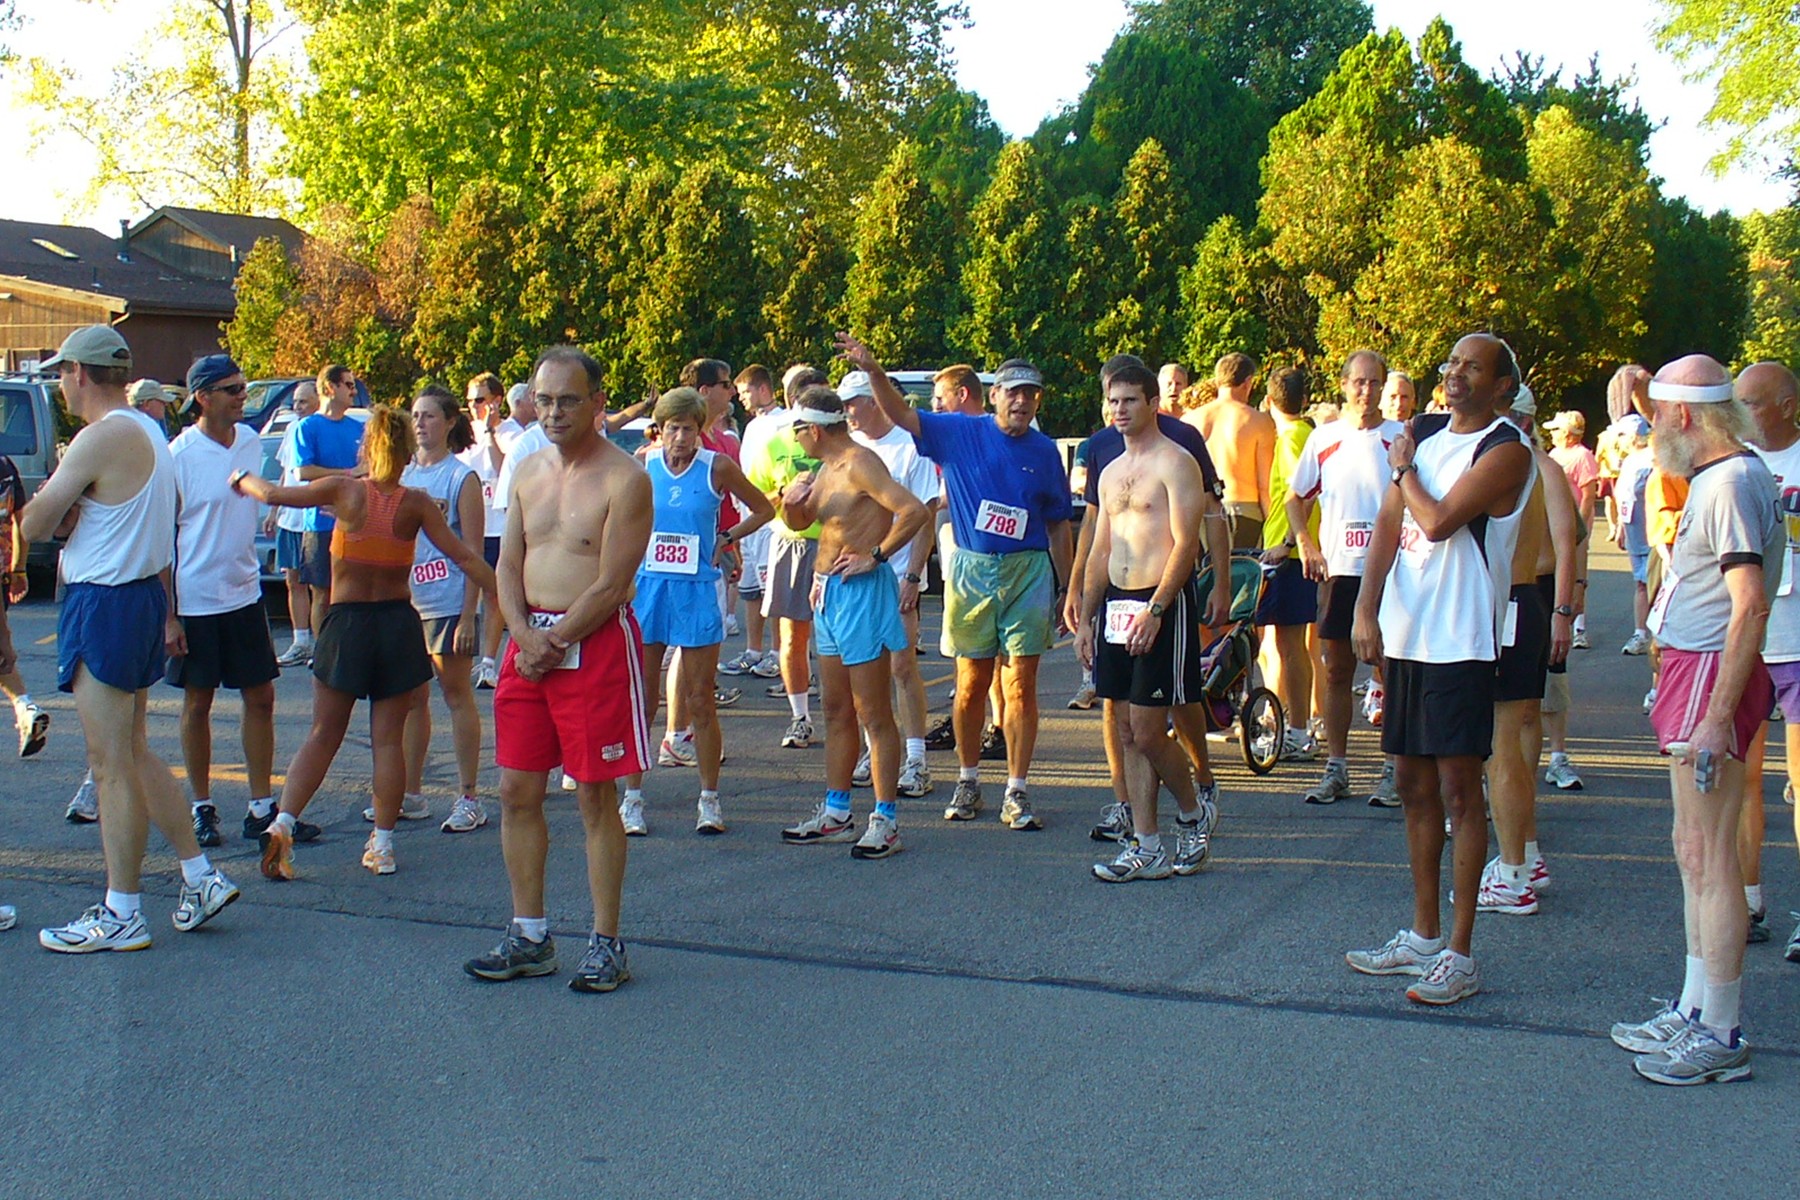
pixel 1694 370
pixel 1768 381
pixel 1767 389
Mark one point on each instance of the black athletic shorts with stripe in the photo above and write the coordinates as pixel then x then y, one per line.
pixel 1170 672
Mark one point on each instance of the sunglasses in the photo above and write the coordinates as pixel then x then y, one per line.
pixel 235 389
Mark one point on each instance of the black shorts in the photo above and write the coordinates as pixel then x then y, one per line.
pixel 372 649
pixel 1339 616
pixel 1289 598
pixel 315 559
pixel 1439 710
pixel 440 634
pixel 1520 673
pixel 490 550
pixel 230 650
pixel 1547 589
pixel 1170 672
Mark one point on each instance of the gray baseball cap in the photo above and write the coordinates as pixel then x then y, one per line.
pixel 1018 376
pixel 92 346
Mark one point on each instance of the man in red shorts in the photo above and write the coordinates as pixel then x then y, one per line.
pixel 1709 618
pixel 571 688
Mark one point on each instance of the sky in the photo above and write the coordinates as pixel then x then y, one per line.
pixel 1027 67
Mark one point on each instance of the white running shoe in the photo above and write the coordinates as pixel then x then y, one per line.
pixel 1332 787
pixel 568 782
pixel 799 735
pixel 1498 896
pixel 631 815
pixel 1084 697
pixel 1639 643
pixel 1406 953
pixel 1133 863
pixel 1374 705
pixel 298 654
pixel 378 859
pixel 412 808
pixel 1647 1037
pixel 1562 775
pixel 486 674
pixel 9 916
pixel 677 753
pixel 204 901
pixel 1015 811
pixel 466 814
pixel 84 806
pixel 1579 640
pixel 742 664
pixel 819 828
pixel 34 728
pixel 1649 700
pixel 879 840
pixel 1449 978
pixel 1387 790
pixel 1298 747
pixel 767 667
pixel 915 779
pixel 97 929
pixel 863 774
pixel 709 817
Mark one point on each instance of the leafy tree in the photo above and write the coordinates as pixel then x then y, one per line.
pixel 267 287
pixel 902 295
pixel 1074 376
pixel 804 304
pixel 1699 281
pixel 1148 214
pixel 468 320
pixel 1013 269
pixel 1748 50
pixel 1280 50
pixel 1773 329
pixel 1221 295
pixel 1592 100
pixel 958 147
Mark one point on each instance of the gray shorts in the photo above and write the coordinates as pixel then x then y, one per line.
pixel 440 634
pixel 788 592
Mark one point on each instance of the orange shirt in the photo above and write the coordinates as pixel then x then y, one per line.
pixel 1664 498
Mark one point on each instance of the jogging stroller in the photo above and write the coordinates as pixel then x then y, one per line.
pixel 1232 694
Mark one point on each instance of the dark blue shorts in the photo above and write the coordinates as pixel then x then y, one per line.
pixel 490 550
pixel 117 631
pixel 287 549
pixel 1290 598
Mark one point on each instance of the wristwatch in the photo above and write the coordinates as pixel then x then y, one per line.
pixel 1157 610
pixel 878 554
pixel 1563 610
pixel 1400 470
pixel 912 577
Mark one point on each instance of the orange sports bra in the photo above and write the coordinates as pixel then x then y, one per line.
pixel 375 543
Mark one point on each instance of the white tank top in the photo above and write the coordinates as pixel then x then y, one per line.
pixel 122 543
pixel 1446 602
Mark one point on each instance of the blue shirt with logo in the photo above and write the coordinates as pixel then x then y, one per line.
pixel 1004 491
pixel 323 442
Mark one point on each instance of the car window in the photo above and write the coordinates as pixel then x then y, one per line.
pixel 18 423
pixel 271 469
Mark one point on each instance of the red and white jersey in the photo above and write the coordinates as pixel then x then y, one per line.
pixel 1346 470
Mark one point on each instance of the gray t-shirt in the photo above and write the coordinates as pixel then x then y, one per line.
pixel 1730 519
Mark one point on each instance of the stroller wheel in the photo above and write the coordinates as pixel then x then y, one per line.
pixel 1261 724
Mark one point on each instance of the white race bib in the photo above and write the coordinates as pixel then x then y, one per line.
pixel 1119 616
pixel 1509 631
pixel 487 492
pixel 1001 520
pixel 1415 548
pixel 548 621
pixel 1357 536
pixel 673 554
pixel 1659 608
pixel 434 570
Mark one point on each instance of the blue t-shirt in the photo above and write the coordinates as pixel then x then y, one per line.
pixel 1109 443
pixel 323 442
pixel 1004 491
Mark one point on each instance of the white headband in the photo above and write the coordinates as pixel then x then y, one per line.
pixel 1682 393
pixel 813 416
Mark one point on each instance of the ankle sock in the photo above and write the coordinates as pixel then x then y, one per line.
pixel 261 808
pixel 972 774
pixel 193 870
pixel 383 839
pixel 888 808
pixel 1014 783
pixel 1753 897
pixel 207 801
pixel 1532 854
pixel 837 803
pixel 124 905
pixel 1150 842
pixel 286 821
pixel 710 794
pixel 534 929
pixel 1719 1010
pixel 1514 875
pixel 799 705
pixel 915 749
pixel 634 795
pixel 1693 989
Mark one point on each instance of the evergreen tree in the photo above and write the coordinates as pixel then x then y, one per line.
pixel 1699 281
pixel 267 286
pixel 1013 269
pixel 1220 294
pixel 804 305
pixel 468 318
pixel 902 296
pixel 1144 316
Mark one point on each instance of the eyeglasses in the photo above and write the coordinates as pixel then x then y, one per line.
pixel 235 389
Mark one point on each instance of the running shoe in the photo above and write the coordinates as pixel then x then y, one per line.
pixel 1646 1037
pixel 1206 798
pixel 568 782
pixel 1406 953
pixel 1787 793
pixel 965 801
pixel 1649 699
pixel 1792 953
pixel 631 815
pixel 1695 1056
pixel 1639 643
pixel 1540 875
pixel 863 774
pixel 487 675
pixel 277 854
pixel 206 826
pixel 1133 863
pixel 203 901
pixel 84 806
pixel 516 955
pixel 255 827
pixel 1193 846
pixel 677 753
pixel 798 736
pixel 1449 977
pixel 822 826
pixel 1562 775
pixel 1387 790
pixel 602 968
pixel 915 779
pixel 709 818
pixel 1115 824
pixel 34 729
pixel 942 736
pixel 298 654
pixel 412 808
pixel 97 929
pixel 466 815
pixel 731 625
pixel 1083 698
pixel 1015 811
pixel 378 859
pixel 1298 747
pixel 767 667
pixel 725 697
pixel 1759 931
pixel 9 916
pixel 1374 704
pixel 1579 641
pixel 879 840
pixel 1498 896
pixel 993 745
pixel 741 664
pixel 1333 786
pixel 1315 729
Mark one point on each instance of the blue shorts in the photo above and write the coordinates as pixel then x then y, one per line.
pixel 858 619
pixel 676 611
pixel 117 631
pixel 287 550
pixel 1289 597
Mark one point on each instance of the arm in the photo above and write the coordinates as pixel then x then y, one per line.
pixel 1265 462
pixel 1490 486
pixel 536 654
pixel 1743 645
pixel 728 477
pixel 1092 584
pixel 1559 507
pixel 1312 556
pixel 629 515
pixel 1062 555
pixel 1218 550
pixel 338 489
pixel 889 397
pixel 916 554
pixel 472 517
pixel 625 416
pixel 1084 547
pixel 885 490
pixel 1365 634
pixel 9 658
pixel 79 468
pixel 308 472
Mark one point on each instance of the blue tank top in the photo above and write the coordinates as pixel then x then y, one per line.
pixel 437 583
pixel 685 529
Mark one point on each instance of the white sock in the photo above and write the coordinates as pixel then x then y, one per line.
pixel 199 800
pixel 1559 757
pixel 634 795
pixel 124 904
pixel 1753 896
pixel 1421 942
pixel 709 794
pixel 1532 853
pixel 1515 876
pixel 1580 622
pixel 535 929
pixel 193 870
pixel 1719 1009
pixel 1150 841
pixel 799 704
pixel 915 749
pixel 1643 631
pixel 286 822
pixel 260 808
pixel 384 839
pixel 1014 784
pixel 1693 988
pixel 303 637
pixel 970 773
pixel 22 701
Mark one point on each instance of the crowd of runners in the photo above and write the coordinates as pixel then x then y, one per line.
pixel 1444 548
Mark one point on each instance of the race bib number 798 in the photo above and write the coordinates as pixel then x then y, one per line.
pixel 1001 520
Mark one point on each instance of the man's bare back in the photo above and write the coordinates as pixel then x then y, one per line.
pixel 1137 490
pixel 1242 443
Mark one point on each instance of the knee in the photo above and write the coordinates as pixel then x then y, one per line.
pixel 259 702
pixel 839 706
pixel 197 705
pixel 1690 851
pixel 1340 669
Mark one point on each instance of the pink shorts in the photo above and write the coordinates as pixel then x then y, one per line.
pixel 1685 687
pixel 590 719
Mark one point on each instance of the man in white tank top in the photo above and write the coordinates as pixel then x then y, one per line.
pixel 114 497
pixel 1434 592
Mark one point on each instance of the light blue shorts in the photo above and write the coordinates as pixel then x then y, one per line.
pixel 858 619
pixel 676 611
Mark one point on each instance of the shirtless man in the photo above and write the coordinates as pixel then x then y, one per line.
pixel 865 518
pixel 1242 441
pixel 571 690
pixel 1140 589
pixel 114 498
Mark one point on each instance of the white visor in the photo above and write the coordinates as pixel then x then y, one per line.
pixel 1682 393
pixel 813 416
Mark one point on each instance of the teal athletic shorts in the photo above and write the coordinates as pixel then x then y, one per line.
pixel 858 618
pixel 1000 604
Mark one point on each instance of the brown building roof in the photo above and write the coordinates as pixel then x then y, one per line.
pixel 74 259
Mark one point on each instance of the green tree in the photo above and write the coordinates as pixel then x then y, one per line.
pixel 1281 50
pixel 1747 50
pixel 902 295
pixel 1093 280
pixel 267 287
pixel 1773 326
pixel 1013 269
pixel 1222 296
pixel 804 304
pixel 1699 281
pixel 958 147
pixel 1149 213
pixel 462 327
